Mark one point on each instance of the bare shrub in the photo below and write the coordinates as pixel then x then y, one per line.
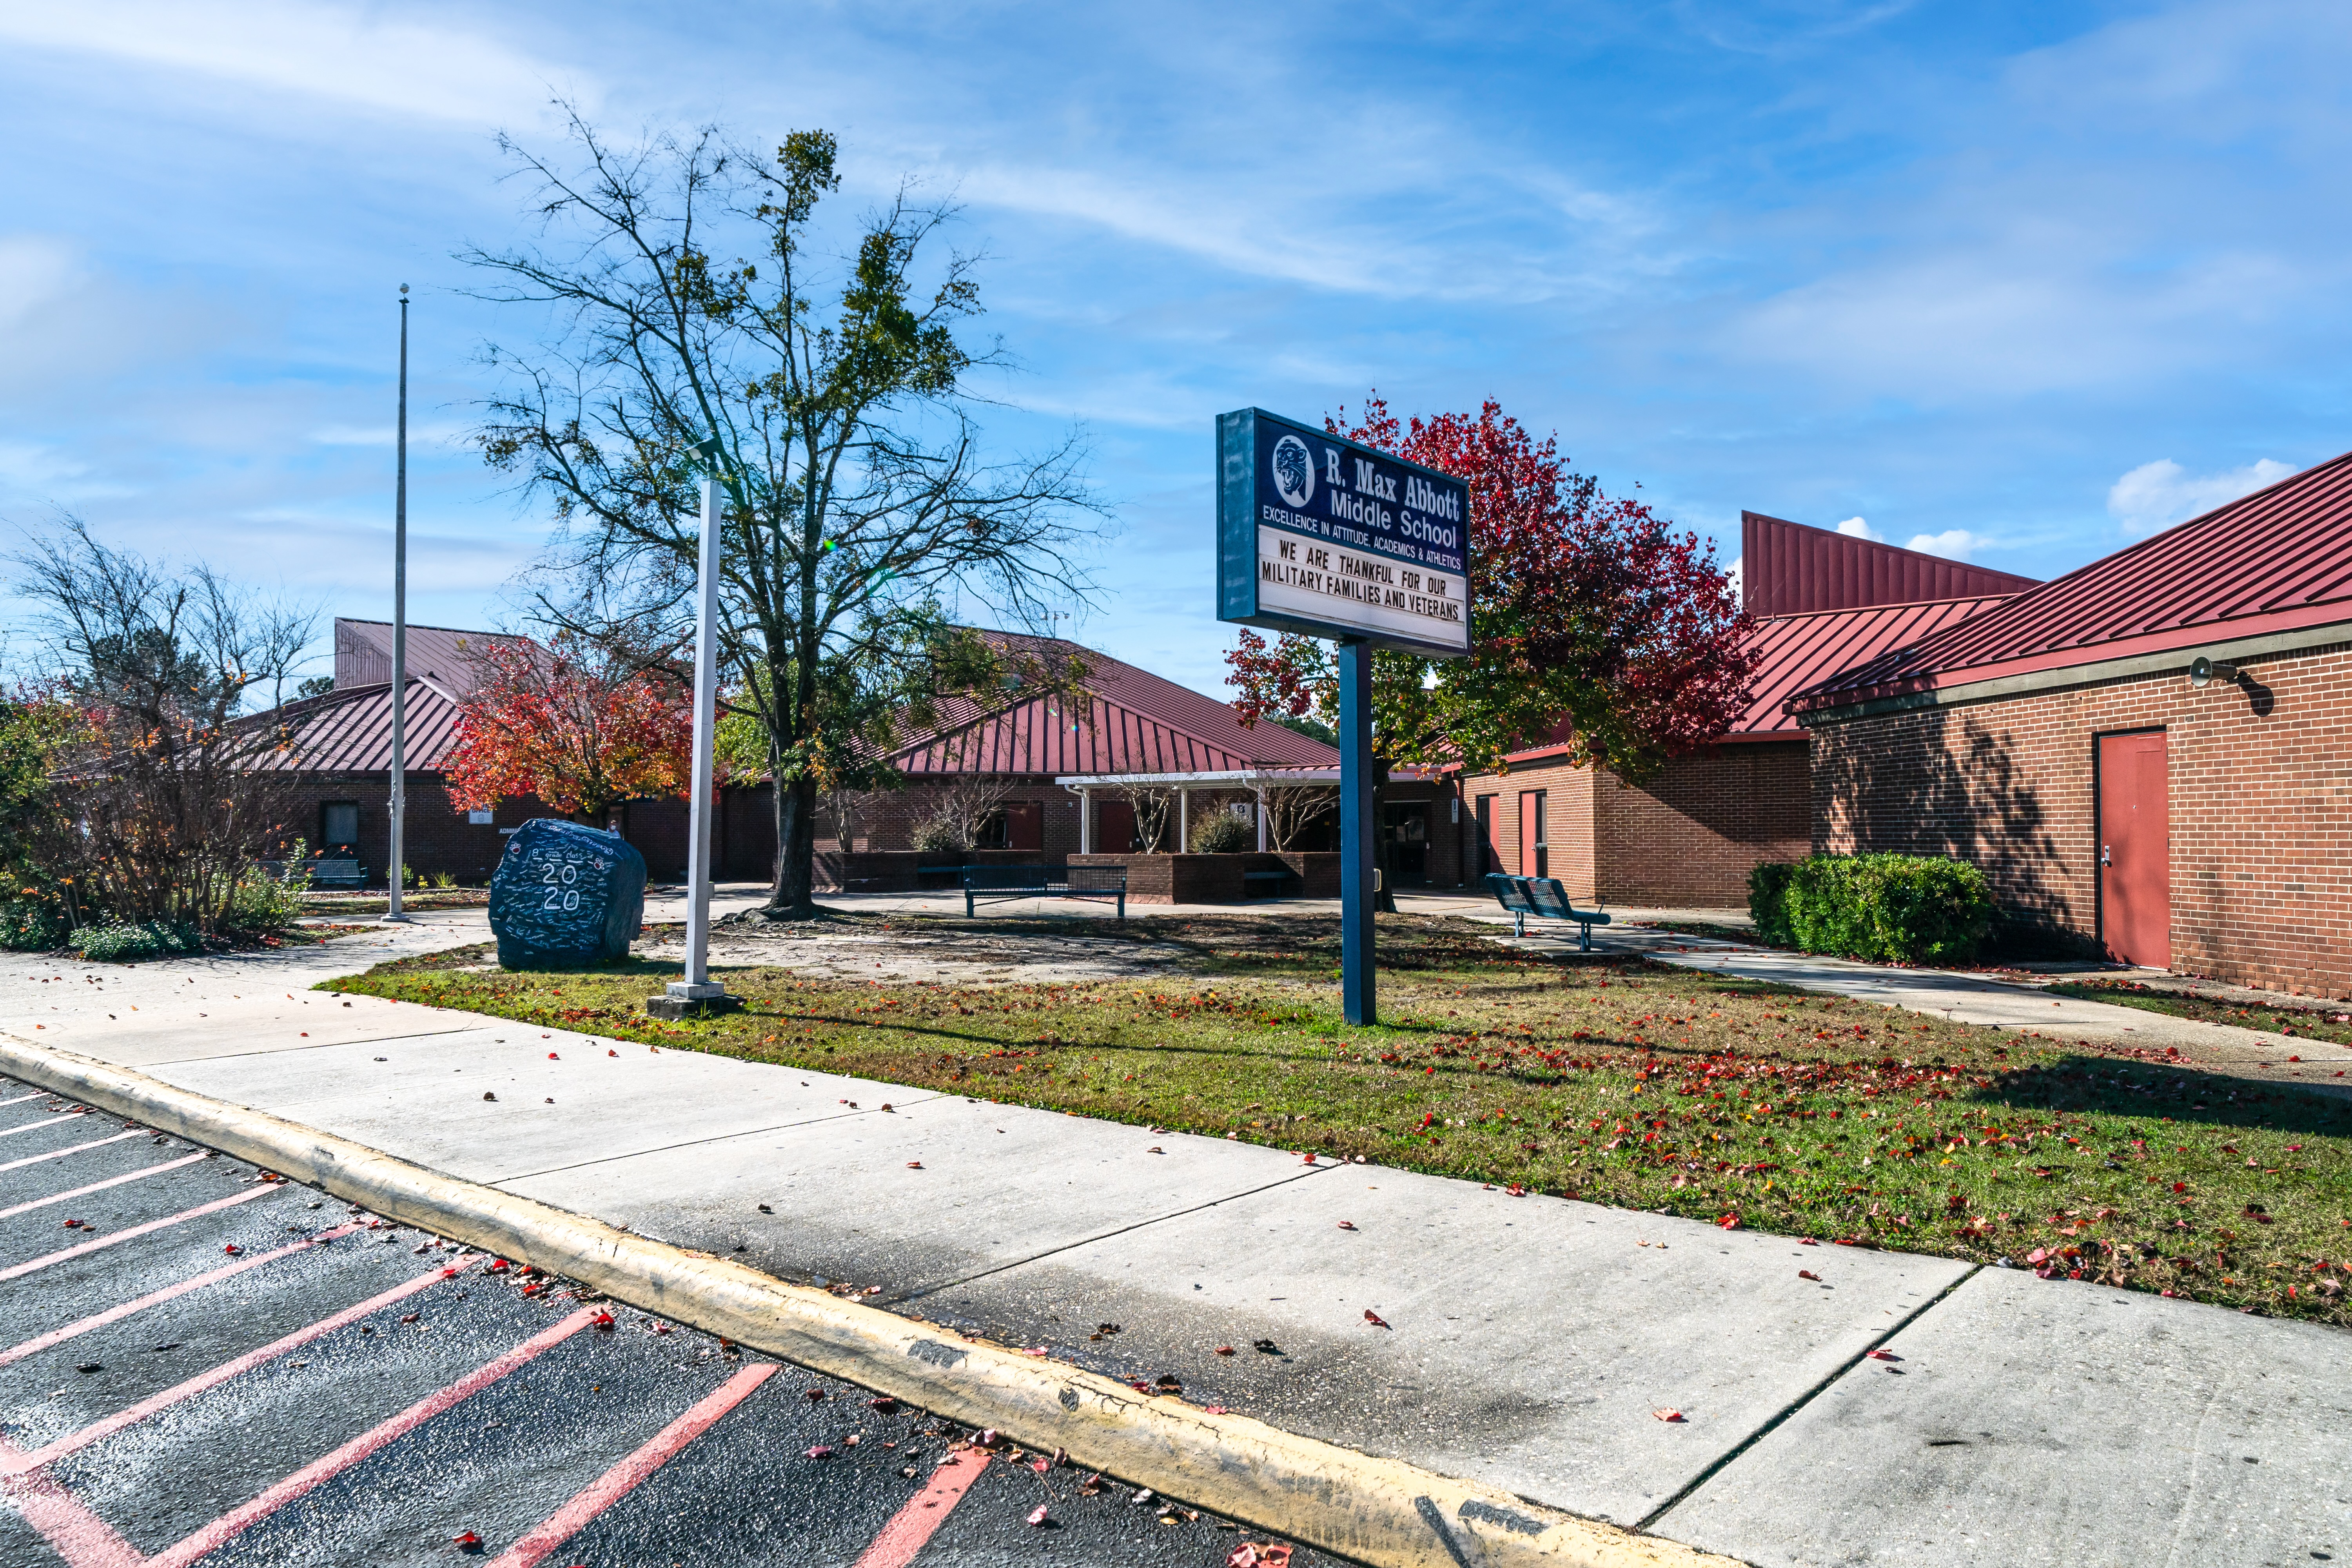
pixel 168 793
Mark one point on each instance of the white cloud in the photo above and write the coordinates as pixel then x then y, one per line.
pixel 341 53
pixel 1854 528
pixel 2159 494
pixel 1952 544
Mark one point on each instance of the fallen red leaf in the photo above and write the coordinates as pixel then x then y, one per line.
pixel 1038 1515
pixel 1668 1415
pixel 1375 1318
pixel 1809 1274
pixel 914 1164
pixel 1883 1355
pixel 820 1452
pixel 1225 1350
pixel 1346 1225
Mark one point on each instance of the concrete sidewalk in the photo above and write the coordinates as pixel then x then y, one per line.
pixel 1526 1343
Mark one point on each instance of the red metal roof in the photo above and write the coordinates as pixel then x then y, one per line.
pixel 1798 652
pixel 442 654
pixel 2276 560
pixel 1790 569
pixel 1129 721
pixel 349 730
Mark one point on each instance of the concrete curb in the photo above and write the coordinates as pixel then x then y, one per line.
pixel 1381 1511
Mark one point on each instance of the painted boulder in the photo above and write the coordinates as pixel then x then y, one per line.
pixel 565 895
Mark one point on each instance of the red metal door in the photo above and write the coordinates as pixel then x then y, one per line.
pixel 1115 827
pixel 2135 850
pixel 1024 825
pixel 1531 834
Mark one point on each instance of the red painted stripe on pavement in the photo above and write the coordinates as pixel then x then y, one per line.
pixel 18 1270
pixel 157 1298
pixel 912 1526
pixel 99 1186
pixel 78 1536
pixel 320 1470
pixel 44 1122
pixel 624 1477
pixel 73 1441
pixel 61 1153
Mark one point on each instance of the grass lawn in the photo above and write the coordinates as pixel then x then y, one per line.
pixel 2312 1023
pixel 1617 1081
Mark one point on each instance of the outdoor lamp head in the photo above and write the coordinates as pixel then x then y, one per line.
pixel 2204 671
pixel 403 289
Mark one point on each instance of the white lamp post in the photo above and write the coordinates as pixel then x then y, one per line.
pixel 698 987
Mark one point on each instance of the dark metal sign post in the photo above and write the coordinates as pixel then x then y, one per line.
pixel 1329 538
pixel 1358 999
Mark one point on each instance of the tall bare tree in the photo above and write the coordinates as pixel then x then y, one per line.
pixel 835 404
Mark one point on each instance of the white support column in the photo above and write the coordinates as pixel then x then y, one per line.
pixel 1183 820
pixel 1261 819
pixel 1085 822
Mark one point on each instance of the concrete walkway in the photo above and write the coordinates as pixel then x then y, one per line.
pixel 1528 1343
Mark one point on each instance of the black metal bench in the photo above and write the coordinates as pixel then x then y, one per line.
pixel 1544 898
pixel 996 884
pixel 323 873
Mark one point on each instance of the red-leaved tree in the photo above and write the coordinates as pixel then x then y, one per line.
pixel 1593 622
pixel 574 729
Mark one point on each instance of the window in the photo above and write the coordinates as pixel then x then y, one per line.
pixel 478 818
pixel 339 825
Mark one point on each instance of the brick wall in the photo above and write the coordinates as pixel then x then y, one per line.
pixel 1686 838
pixel 2260 807
pixel 436 838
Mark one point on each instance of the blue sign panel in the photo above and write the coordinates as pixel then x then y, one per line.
pixel 1321 535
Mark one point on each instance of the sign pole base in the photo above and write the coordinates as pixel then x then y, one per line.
pixel 1357 989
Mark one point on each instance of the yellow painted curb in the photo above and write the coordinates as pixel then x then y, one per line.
pixel 1381 1511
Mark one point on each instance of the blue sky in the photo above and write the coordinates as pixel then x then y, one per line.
pixel 2021 281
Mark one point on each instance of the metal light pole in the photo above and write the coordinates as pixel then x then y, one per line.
pixel 400 631
pixel 698 986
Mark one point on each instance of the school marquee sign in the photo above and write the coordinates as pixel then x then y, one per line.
pixel 1321 535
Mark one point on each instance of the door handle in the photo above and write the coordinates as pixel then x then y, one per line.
pixel 2104 859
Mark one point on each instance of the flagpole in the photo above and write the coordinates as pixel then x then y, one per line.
pixel 400 633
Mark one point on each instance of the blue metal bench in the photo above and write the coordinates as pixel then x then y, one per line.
pixel 1544 898
pixel 995 884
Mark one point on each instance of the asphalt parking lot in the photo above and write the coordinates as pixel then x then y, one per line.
pixel 202 1364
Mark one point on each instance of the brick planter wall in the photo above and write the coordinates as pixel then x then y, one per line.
pixel 1217 879
pixel 896 871
pixel 2261 807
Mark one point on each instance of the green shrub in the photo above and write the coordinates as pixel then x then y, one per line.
pixel 33 923
pixel 1767 902
pixel 260 903
pixel 121 943
pixel 1909 909
pixel 1223 833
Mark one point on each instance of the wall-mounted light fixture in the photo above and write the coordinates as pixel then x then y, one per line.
pixel 2203 672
